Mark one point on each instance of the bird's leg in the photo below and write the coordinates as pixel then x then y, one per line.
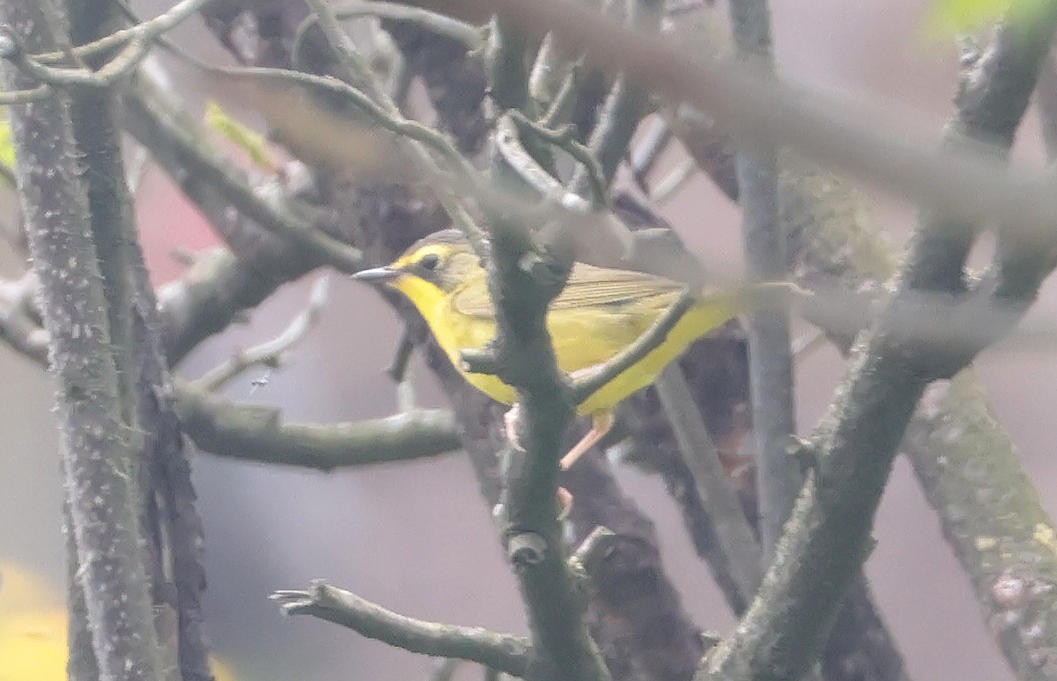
pixel 601 423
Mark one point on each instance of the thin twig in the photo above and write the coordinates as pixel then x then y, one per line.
pixel 510 654
pixel 551 74
pixel 34 94
pixel 136 40
pixel 154 123
pixel 643 345
pixel 770 360
pixel 471 36
pixel 626 105
pixel 397 369
pixel 561 106
pixel 513 153
pixel 737 561
pixel 146 30
pixel 565 139
pixel 382 110
pixel 272 352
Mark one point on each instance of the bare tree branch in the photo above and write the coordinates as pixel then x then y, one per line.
pixel 626 105
pixel 644 157
pixel 507 68
pixel 98 460
pixel 469 35
pixel 992 518
pixel 770 359
pixel 33 94
pixel 271 352
pixel 736 559
pixel 509 654
pixel 169 522
pixel 175 141
pixel 136 44
pixel 525 360
pixel 257 433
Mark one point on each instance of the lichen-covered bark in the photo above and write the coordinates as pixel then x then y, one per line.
pixel 98 459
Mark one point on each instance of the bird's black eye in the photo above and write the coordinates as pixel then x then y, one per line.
pixel 429 261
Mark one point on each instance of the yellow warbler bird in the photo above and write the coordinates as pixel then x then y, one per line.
pixel 600 312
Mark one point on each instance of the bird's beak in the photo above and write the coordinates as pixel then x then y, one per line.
pixel 377 275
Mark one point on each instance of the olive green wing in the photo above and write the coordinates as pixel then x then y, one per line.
pixel 588 286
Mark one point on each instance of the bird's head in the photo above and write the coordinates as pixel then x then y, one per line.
pixel 438 264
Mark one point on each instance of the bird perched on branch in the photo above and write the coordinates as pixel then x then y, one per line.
pixel 599 313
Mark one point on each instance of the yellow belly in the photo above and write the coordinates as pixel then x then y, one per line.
pixel 584 339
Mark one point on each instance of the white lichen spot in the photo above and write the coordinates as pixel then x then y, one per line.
pixel 1009 591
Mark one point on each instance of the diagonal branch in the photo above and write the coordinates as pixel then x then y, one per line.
pixel 503 652
pixel 992 519
pixel 643 345
pixel 736 559
pixel 153 123
pixel 270 352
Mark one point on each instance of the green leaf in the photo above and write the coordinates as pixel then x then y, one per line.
pixel 250 141
pixel 948 18
pixel 951 17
